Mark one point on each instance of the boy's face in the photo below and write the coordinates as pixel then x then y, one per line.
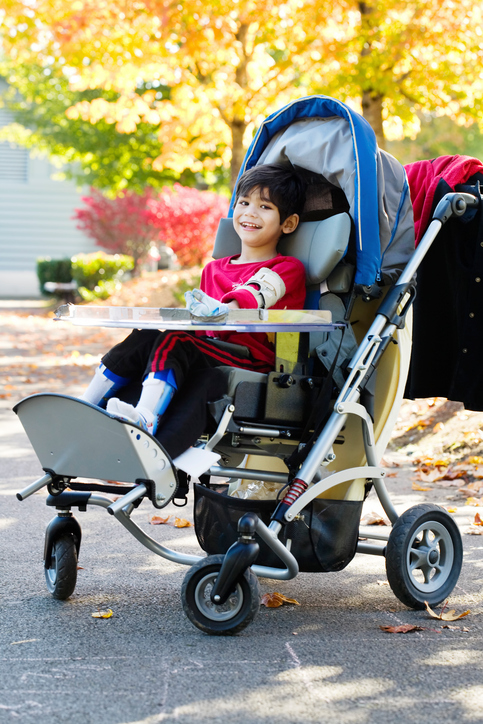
pixel 257 221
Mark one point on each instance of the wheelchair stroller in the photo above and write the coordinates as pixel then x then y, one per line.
pixel 316 427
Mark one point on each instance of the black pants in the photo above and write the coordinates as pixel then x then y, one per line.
pixel 194 361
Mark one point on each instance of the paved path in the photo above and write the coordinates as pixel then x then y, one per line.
pixel 325 660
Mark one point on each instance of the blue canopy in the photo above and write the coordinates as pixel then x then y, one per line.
pixel 365 150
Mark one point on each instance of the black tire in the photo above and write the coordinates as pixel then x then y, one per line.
pixel 61 576
pixel 424 555
pixel 231 617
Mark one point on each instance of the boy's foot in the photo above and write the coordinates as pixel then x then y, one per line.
pixel 142 417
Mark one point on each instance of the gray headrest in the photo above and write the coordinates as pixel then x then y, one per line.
pixel 319 245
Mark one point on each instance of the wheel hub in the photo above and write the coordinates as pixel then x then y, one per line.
pixel 429 556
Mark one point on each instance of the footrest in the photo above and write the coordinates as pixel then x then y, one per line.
pixel 75 439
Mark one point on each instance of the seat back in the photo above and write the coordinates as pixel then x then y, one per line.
pixel 319 245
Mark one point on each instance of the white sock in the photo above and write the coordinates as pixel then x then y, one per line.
pixel 138 415
pixel 155 397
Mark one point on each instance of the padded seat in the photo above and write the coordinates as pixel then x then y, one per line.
pixel 319 245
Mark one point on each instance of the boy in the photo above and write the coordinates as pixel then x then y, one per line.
pixel 269 202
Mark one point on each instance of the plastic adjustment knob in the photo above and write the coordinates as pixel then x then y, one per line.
pixel 285 381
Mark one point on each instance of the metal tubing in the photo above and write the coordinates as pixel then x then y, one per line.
pixel 127 499
pixel 317 489
pixel 322 447
pixel 370 549
pixel 142 537
pixel 33 487
pixel 246 474
pixel 368 532
pixel 261 431
pixel 385 500
pixel 271 539
pixel 225 419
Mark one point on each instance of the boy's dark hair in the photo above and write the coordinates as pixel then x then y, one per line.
pixel 286 189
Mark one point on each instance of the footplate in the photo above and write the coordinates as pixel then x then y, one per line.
pixel 75 439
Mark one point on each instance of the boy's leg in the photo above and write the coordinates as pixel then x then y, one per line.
pixel 173 360
pixel 187 418
pixel 124 362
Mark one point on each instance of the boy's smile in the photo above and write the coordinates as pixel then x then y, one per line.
pixel 256 220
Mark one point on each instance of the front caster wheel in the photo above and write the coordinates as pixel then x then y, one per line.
pixel 61 570
pixel 231 617
pixel 424 555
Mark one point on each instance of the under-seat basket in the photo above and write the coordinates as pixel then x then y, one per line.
pixel 324 535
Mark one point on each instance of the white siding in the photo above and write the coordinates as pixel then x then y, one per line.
pixel 35 218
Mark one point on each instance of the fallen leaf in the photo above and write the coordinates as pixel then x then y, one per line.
pixel 274 600
pixel 439 426
pixel 182 523
pixel 157 520
pixel 477 520
pixel 382 583
pixel 374 519
pixel 474 531
pixel 474 501
pixel 415 486
pixel 102 614
pixel 403 628
pixel 445 615
pixel 451 510
pixel 431 476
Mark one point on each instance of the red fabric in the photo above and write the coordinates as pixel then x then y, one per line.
pixel 424 176
pixel 220 279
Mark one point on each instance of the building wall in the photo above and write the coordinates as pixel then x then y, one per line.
pixel 35 218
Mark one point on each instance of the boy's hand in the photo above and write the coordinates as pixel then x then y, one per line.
pixel 201 305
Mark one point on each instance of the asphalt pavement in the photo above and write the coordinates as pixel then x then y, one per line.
pixel 326 660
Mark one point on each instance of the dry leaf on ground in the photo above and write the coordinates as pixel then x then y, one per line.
pixel 445 615
pixel 158 520
pixel 182 523
pixel 474 501
pixel 403 628
pixel 274 600
pixel 415 486
pixel 474 531
pixel 102 614
pixel 477 520
pixel 374 519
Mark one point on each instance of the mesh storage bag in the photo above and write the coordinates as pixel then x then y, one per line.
pixel 324 535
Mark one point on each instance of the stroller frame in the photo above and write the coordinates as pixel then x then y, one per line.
pixel 220 593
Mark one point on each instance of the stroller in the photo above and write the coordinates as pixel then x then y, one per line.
pixel 314 430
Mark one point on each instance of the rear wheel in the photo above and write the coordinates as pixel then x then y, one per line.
pixel 228 618
pixel 61 571
pixel 424 555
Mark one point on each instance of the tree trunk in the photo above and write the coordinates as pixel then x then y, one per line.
pixel 372 112
pixel 238 152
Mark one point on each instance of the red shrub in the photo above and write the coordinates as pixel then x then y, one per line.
pixel 187 220
pixel 183 218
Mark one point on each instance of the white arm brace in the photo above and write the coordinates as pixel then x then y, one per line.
pixel 266 286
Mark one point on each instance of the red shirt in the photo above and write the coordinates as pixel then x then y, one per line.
pixel 220 279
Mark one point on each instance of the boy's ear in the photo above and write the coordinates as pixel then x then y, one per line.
pixel 290 223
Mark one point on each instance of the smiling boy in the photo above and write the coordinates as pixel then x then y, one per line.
pixel 269 202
